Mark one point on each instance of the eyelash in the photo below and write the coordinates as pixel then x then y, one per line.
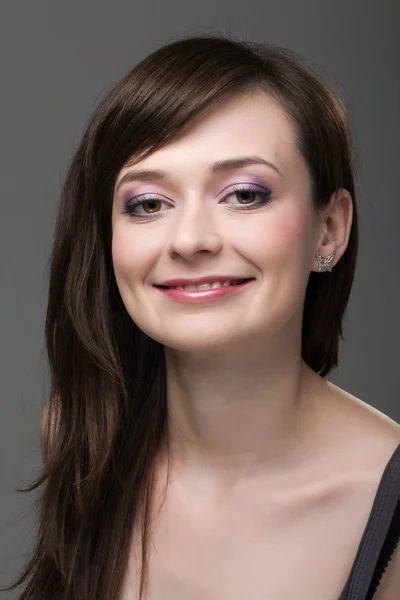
pixel 132 203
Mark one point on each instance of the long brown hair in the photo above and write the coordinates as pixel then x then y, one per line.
pixel 107 411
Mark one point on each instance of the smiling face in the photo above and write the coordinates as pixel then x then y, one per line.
pixel 192 222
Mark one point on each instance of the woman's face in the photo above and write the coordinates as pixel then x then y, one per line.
pixel 191 223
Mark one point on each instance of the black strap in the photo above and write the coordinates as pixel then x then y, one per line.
pixel 390 545
pixel 379 538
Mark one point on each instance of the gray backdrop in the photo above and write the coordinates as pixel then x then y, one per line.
pixel 57 60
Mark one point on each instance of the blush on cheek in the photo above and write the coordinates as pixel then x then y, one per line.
pixel 280 234
pixel 134 256
pixel 122 256
pixel 283 242
pixel 290 231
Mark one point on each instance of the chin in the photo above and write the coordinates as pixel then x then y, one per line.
pixel 200 338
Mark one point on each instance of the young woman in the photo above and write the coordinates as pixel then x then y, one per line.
pixel 203 259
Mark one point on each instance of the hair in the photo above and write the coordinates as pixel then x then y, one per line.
pixel 106 416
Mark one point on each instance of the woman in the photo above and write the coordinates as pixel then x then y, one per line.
pixel 203 258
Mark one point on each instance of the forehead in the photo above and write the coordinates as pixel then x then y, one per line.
pixel 246 124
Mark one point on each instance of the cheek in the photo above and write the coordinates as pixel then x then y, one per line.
pixel 123 252
pixel 130 254
pixel 285 237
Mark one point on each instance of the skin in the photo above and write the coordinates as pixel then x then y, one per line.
pixel 262 448
pixel 242 402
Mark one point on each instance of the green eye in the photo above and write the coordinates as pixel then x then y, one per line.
pixel 247 201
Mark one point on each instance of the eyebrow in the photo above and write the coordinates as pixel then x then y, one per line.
pixel 220 166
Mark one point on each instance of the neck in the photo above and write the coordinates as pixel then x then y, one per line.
pixel 238 414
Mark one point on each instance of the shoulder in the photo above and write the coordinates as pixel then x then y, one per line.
pixel 359 434
pixel 351 438
pixel 364 417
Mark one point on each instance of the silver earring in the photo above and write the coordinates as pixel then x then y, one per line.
pixel 324 264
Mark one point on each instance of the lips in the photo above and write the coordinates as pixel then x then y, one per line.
pixel 201 293
pixel 230 282
pixel 223 279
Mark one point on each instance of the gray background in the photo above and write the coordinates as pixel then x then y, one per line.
pixel 57 60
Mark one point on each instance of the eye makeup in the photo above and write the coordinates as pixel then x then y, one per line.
pixel 132 203
pixel 139 188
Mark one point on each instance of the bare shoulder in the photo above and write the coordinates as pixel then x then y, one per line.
pixel 368 417
pixel 358 430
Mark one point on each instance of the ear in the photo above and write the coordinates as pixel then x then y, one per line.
pixel 335 219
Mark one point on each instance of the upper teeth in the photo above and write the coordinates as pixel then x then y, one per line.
pixel 205 286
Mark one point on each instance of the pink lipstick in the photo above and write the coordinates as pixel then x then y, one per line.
pixel 204 295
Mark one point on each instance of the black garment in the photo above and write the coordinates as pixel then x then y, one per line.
pixel 380 537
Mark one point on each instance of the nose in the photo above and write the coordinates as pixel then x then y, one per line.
pixel 195 233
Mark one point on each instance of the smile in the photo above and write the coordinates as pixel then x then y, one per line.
pixel 206 285
pixel 204 292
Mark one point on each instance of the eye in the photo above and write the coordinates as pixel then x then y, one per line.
pixel 150 205
pixel 246 194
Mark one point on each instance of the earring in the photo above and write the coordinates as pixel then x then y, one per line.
pixel 324 264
